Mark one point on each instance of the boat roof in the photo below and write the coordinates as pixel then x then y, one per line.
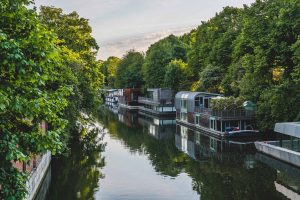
pixel 288 128
pixel 192 95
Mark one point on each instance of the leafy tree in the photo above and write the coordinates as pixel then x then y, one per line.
pixel 176 76
pixel 212 45
pixel 268 42
pixel 79 54
pixel 210 78
pixel 108 69
pixel 158 57
pixel 31 90
pixel 128 72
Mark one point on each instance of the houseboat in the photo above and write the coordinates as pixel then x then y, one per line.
pixel 158 101
pixel 287 147
pixel 129 98
pixel 112 96
pixel 193 109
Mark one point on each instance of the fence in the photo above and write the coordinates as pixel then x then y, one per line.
pixel 227 114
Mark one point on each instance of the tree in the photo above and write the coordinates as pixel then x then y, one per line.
pixel 212 45
pixel 128 72
pixel 31 90
pixel 268 44
pixel 176 76
pixel 79 55
pixel 210 78
pixel 108 69
pixel 158 56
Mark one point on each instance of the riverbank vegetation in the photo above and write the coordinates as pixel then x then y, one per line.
pixel 48 73
pixel 251 52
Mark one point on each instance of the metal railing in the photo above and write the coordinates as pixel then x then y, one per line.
pixel 160 101
pixel 226 114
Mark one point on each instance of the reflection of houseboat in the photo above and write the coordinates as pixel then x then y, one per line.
pixel 127 117
pixel 159 127
pixel 287 178
pixel 193 109
pixel 129 98
pixel 158 102
pixel 201 146
pixel 287 148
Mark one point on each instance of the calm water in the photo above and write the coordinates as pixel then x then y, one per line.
pixel 151 158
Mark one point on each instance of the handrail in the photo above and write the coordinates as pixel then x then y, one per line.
pixel 236 113
pixel 161 101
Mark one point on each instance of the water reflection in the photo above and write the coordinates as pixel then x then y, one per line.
pixel 202 147
pixel 77 176
pixel 219 169
pixel 287 179
pixel 153 158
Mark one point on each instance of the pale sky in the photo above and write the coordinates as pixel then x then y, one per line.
pixel 121 25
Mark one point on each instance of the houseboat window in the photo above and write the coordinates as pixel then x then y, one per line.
pixel 183 103
pixel 206 103
pixel 199 102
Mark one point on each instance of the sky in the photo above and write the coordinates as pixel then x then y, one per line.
pixel 123 25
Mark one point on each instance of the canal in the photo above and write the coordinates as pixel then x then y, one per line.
pixel 143 157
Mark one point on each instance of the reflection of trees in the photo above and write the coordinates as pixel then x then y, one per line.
pixel 163 154
pixel 231 179
pixel 214 178
pixel 77 176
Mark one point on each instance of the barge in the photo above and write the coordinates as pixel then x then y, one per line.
pixel 158 102
pixel 129 99
pixel 193 109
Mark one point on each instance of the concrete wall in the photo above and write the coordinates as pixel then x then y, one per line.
pixel 37 176
pixel 280 153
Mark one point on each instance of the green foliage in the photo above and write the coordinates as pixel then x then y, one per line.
pixel 158 56
pixel 129 71
pixel 210 78
pixel 108 69
pixel 79 50
pixel 211 45
pixel 176 76
pixel 227 103
pixel 48 72
pixel 31 90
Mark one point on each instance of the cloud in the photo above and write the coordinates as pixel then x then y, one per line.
pixel 139 42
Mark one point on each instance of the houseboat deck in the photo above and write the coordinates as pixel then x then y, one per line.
pixel 129 107
pixel 156 113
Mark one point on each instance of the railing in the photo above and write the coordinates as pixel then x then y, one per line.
pixel 160 101
pixel 227 114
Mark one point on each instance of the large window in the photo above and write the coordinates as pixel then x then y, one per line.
pixel 183 103
pixel 199 102
pixel 206 102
